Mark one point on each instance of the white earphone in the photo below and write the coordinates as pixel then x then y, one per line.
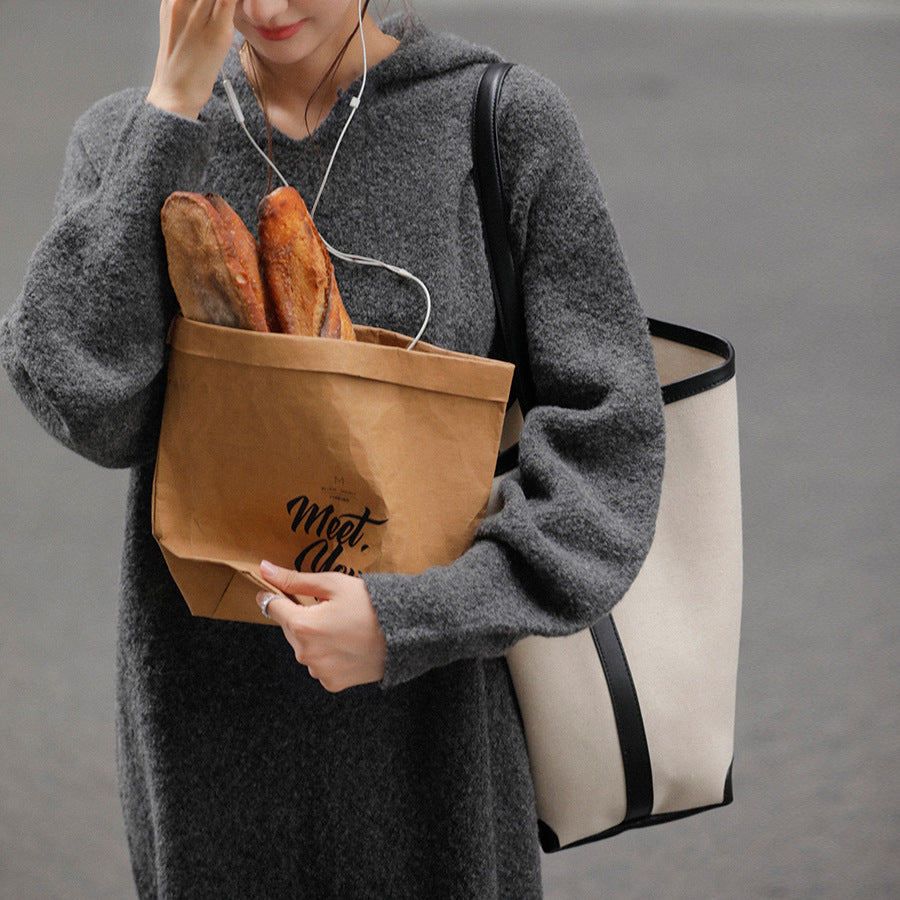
pixel 347 257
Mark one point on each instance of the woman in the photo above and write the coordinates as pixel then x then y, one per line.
pixel 380 755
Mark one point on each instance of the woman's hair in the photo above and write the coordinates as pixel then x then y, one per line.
pixel 248 57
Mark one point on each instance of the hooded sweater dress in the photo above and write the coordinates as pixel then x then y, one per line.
pixel 239 775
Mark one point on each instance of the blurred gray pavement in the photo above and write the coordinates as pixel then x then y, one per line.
pixel 752 168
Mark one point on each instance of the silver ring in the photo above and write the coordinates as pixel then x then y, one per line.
pixel 264 606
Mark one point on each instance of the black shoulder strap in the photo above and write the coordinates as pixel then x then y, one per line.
pixel 494 216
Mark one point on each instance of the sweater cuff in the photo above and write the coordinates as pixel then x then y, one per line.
pixel 444 614
pixel 169 151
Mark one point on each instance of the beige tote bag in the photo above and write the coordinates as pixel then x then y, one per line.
pixel 631 722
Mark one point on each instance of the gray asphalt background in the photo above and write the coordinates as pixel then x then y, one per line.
pixel 751 165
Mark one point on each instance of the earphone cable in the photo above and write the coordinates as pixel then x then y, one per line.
pixel 354 105
pixel 347 257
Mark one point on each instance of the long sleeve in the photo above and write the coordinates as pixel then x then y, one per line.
pixel 578 518
pixel 84 344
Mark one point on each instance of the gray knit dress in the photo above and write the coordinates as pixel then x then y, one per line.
pixel 240 776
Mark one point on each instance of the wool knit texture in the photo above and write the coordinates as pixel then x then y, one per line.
pixel 239 775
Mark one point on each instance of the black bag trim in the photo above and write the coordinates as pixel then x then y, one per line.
pixel 492 197
pixel 629 721
pixel 700 340
pixel 711 378
pixel 550 840
pixel 507 460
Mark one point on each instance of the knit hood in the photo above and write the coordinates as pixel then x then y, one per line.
pixel 422 55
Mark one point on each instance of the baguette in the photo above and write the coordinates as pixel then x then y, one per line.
pixel 213 262
pixel 297 270
pixel 247 249
pixel 222 275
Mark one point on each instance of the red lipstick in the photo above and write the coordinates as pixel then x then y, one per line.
pixel 279 34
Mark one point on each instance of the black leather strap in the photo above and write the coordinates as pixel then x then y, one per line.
pixel 629 721
pixel 489 185
pixel 494 215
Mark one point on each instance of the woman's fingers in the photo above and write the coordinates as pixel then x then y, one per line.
pixel 194 37
pixel 339 641
pixel 276 607
pixel 320 586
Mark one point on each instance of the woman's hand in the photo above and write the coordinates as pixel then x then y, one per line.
pixel 194 37
pixel 339 639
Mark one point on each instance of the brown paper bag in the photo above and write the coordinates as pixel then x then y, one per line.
pixel 319 455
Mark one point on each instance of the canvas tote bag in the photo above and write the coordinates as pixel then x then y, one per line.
pixel 319 455
pixel 631 722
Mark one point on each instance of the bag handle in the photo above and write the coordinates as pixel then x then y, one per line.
pixel 494 217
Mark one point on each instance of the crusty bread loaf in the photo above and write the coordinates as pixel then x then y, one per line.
pixel 213 262
pixel 222 275
pixel 297 270
pixel 246 249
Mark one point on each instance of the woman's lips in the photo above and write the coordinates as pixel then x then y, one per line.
pixel 279 34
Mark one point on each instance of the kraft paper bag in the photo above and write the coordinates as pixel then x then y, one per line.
pixel 319 455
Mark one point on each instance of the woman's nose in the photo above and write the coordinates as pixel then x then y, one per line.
pixel 260 11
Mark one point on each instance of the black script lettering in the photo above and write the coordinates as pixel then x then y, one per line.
pixel 335 532
pixel 315 558
pixel 345 528
pixel 310 512
pixel 350 531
